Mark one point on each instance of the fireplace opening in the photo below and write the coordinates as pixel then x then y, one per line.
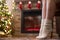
pixel 31 21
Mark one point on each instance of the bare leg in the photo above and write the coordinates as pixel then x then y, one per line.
pixel 43 9
pixel 50 9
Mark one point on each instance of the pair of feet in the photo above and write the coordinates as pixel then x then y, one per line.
pixel 46 28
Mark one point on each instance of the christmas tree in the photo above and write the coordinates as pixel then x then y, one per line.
pixel 5 18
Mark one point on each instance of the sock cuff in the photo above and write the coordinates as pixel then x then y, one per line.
pixel 48 21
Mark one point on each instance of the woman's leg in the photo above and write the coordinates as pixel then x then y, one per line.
pixel 46 28
pixel 43 9
pixel 50 11
pixel 43 17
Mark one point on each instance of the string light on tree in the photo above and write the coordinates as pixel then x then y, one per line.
pixel 13 4
pixel 7 26
pixel 2 19
pixel 0 25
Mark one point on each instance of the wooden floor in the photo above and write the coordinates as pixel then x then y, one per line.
pixel 25 38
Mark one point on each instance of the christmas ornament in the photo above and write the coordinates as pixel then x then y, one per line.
pixel 38 4
pixel 29 5
pixel 20 5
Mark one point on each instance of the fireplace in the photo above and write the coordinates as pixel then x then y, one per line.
pixel 30 21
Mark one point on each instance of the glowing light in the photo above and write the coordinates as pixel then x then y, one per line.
pixel 20 5
pixel 29 5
